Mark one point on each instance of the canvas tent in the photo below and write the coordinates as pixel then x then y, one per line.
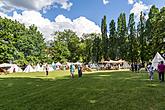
pixel 14 68
pixel 29 68
pixel 125 65
pixel 54 66
pixel 50 68
pixel 38 68
pixel 157 60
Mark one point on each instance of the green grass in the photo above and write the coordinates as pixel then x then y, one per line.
pixel 95 91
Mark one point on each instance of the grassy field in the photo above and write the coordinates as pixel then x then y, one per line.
pixel 94 91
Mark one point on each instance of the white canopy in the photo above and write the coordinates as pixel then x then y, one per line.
pixel 157 59
pixel 14 68
pixel 77 63
pixel 29 68
pixel 5 65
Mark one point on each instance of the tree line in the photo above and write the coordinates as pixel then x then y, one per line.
pixel 134 42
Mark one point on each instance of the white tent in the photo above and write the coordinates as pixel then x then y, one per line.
pixel 157 60
pixel 58 64
pixel 38 68
pixel 14 68
pixel 50 68
pixel 126 65
pixel 29 68
pixel 54 66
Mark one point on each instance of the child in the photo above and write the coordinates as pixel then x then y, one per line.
pixel 150 70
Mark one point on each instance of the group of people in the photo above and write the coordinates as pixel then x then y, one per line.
pixel 160 69
pixel 72 70
pixel 135 67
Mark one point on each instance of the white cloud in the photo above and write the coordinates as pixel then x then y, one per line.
pixel 37 5
pixel 130 1
pixel 105 2
pixel 47 28
pixel 139 7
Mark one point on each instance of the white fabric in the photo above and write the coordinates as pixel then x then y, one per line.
pixel 38 68
pixel 150 68
pixel 29 68
pixel 58 64
pixel 156 60
pixel 15 68
pixel 5 65
pixel 50 68
pixel 126 65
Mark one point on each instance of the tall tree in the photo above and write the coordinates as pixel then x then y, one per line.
pixel 142 37
pixel 105 43
pixel 159 33
pixel 151 23
pixel 20 44
pixel 112 40
pixel 96 48
pixel 132 40
pixel 70 41
pixel 122 34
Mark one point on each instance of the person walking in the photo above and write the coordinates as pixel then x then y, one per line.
pixel 161 70
pixel 72 70
pixel 150 70
pixel 79 71
pixel 47 69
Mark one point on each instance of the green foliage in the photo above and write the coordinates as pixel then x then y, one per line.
pixel 105 41
pixel 122 35
pixel 113 46
pixel 132 40
pixel 20 44
pixel 65 47
pixel 23 45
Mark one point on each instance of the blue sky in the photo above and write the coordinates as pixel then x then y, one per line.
pixel 94 10
pixel 82 16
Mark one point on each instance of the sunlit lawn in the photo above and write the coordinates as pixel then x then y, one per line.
pixel 94 91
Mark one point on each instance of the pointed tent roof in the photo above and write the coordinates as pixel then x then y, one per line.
pixel 58 64
pixel 38 68
pixel 29 68
pixel 14 66
pixel 53 63
pixel 156 60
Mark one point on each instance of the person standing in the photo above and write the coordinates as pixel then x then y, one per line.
pixel 72 70
pixel 150 70
pixel 79 71
pixel 161 70
pixel 47 69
